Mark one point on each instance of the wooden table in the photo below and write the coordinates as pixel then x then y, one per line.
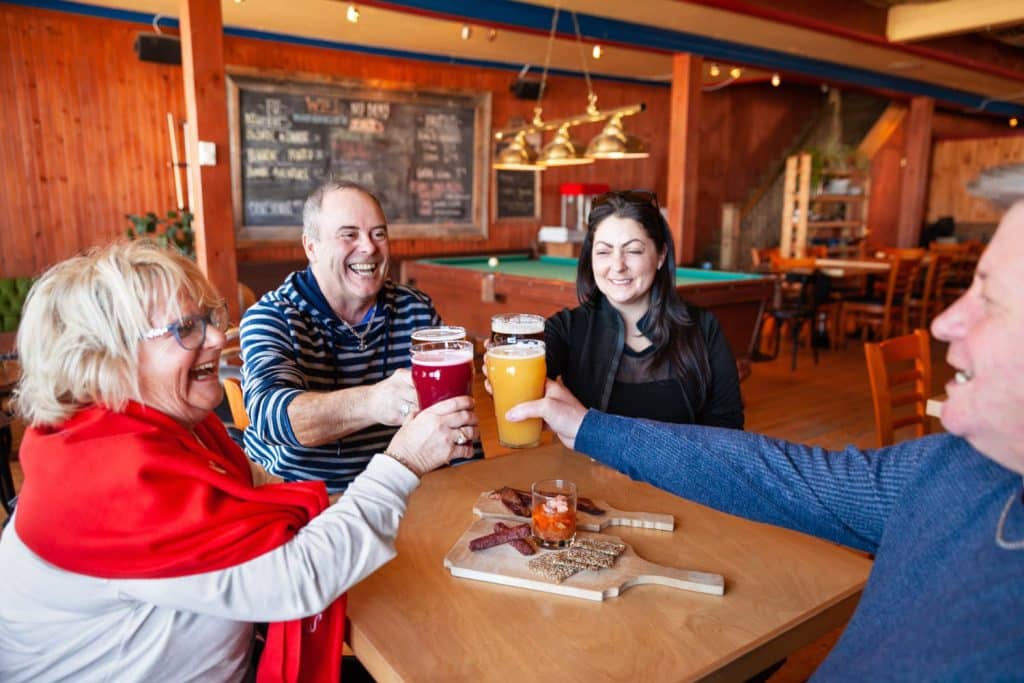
pixel 412 620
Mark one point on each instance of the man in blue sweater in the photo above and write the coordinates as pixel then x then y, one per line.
pixel 943 514
pixel 326 355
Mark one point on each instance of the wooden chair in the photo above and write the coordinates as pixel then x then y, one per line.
pixel 953 279
pixel 900 370
pixel 233 391
pixel 921 291
pixel 879 315
pixel 809 310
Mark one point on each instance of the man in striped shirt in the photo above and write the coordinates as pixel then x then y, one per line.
pixel 326 355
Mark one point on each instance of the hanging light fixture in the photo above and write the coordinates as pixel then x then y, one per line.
pixel 563 150
pixel 518 156
pixel 611 143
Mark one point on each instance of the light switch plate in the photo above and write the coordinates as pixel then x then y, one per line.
pixel 207 153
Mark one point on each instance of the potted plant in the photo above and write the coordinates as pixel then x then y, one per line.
pixel 175 230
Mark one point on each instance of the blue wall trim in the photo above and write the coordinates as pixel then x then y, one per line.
pixel 172 22
pixel 537 18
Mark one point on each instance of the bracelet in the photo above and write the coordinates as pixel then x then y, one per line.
pixel 402 461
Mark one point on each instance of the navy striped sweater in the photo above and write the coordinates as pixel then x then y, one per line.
pixel 292 342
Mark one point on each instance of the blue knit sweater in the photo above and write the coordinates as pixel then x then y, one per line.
pixel 943 602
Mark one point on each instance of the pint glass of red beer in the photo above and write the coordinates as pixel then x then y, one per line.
pixel 442 370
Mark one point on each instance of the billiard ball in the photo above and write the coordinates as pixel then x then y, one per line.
pixel 493 262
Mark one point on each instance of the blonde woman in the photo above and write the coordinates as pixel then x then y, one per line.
pixel 140 548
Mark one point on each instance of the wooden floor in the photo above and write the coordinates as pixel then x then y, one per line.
pixel 828 405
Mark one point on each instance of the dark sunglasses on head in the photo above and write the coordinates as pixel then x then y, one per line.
pixel 629 196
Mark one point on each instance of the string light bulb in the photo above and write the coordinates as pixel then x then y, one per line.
pixel 714 70
pixel 735 72
pixel 597 52
pixel 1014 122
pixel 352 14
pixel 776 80
pixel 466 32
pixel 491 35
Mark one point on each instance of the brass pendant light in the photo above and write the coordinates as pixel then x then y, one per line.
pixel 613 143
pixel 518 156
pixel 563 150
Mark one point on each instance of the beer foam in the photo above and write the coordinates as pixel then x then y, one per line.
pixel 518 324
pixel 440 357
pixel 521 350
pixel 438 334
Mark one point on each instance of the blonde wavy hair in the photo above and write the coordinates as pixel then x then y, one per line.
pixel 83 320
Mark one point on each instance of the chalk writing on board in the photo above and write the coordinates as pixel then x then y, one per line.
pixel 418 154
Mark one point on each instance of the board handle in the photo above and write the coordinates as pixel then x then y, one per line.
pixel 642 520
pixel 684 579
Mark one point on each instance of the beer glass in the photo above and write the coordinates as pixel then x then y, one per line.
pixel 517 373
pixel 438 334
pixel 442 370
pixel 510 328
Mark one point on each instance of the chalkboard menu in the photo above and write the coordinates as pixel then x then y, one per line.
pixel 422 153
pixel 516 194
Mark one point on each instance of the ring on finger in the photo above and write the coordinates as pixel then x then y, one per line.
pixel 403 409
pixel 460 437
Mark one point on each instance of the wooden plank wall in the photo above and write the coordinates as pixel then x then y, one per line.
pixel 887 171
pixel 956 163
pixel 86 134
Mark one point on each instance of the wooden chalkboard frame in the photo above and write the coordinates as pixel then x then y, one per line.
pixel 304 83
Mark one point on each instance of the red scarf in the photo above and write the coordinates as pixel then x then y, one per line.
pixel 133 495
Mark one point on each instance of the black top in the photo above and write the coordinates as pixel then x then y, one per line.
pixel 586 348
pixel 643 389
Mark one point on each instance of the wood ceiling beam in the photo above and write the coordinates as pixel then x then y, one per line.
pixel 917 22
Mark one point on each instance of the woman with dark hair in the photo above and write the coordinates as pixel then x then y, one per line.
pixel 633 347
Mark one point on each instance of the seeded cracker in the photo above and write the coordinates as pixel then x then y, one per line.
pixel 582 558
pixel 613 548
pixel 545 566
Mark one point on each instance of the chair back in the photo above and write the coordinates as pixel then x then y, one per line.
pixel 781 264
pixel 900 371
pixel 233 391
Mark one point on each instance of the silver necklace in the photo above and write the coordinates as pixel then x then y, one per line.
pixel 1000 541
pixel 360 337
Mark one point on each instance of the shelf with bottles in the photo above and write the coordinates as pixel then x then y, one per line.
pixel 835 213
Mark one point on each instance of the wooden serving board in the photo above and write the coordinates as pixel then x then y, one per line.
pixel 504 565
pixel 485 506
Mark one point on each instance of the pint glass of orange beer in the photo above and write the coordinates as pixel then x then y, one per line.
pixel 517 373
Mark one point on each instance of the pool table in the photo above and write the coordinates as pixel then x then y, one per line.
pixel 467 291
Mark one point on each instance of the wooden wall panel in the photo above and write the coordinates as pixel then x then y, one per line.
pixel 957 162
pixel 745 129
pixel 86 134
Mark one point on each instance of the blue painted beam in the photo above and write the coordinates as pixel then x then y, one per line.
pixel 537 18
pixel 640 36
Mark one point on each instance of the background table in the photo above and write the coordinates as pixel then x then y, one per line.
pixel 467 291
pixel 412 620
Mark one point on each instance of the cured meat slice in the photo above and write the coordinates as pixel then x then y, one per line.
pixel 525 546
pixel 499 537
pixel 513 500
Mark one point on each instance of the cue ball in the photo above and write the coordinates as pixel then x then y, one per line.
pixel 492 262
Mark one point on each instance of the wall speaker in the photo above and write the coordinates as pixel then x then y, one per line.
pixel 156 47
pixel 525 89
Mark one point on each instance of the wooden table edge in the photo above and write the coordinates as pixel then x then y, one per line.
pixel 786 641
